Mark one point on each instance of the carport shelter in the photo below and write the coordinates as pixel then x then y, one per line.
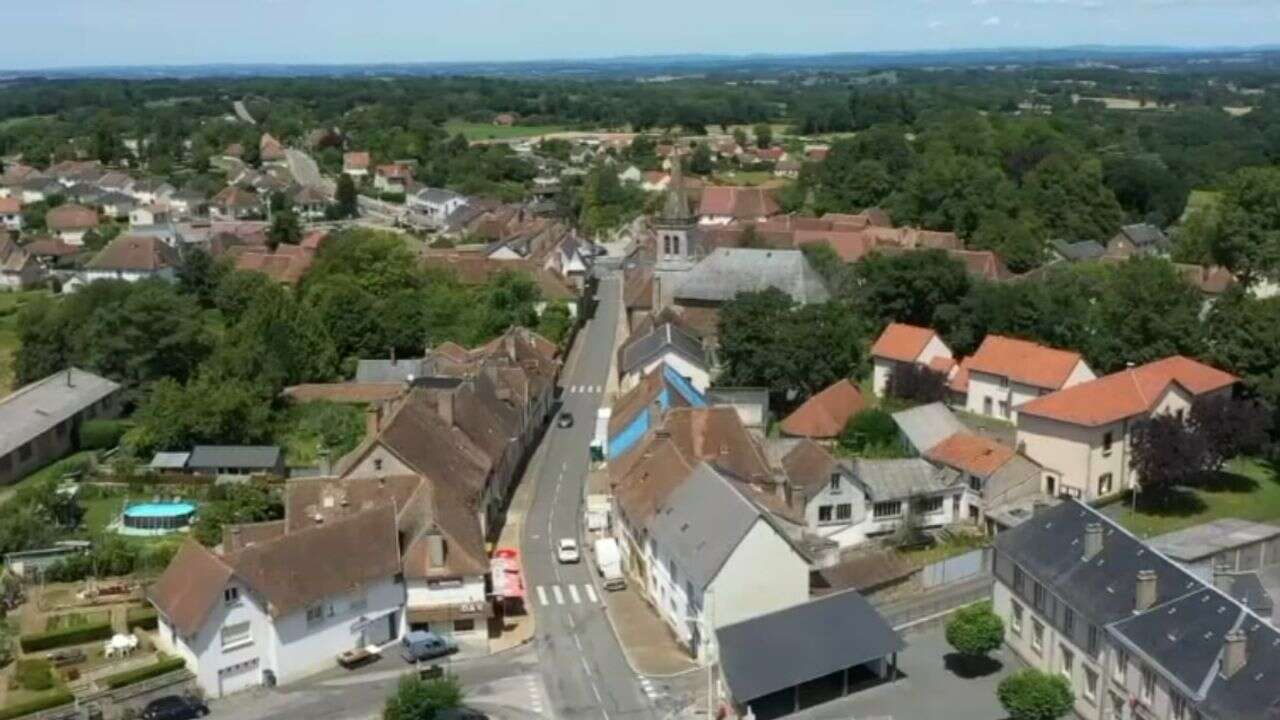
pixel 805 655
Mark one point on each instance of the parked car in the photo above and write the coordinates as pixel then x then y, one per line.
pixel 175 707
pixel 420 645
pixel 567 551
pixel 565 420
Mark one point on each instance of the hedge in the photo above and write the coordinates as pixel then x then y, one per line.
pixel 146 672
pixel 65 636
pixel 102 434
pixel 145 618
pixel 34 674
pixel 61 697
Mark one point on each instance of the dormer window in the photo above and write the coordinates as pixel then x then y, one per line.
pixel 231 596
pixel 835 484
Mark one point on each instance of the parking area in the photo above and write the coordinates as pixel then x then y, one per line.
pixel 929 688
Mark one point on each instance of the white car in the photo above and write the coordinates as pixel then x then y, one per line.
pixel 567 551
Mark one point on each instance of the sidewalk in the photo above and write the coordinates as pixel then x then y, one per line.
pixel 646 640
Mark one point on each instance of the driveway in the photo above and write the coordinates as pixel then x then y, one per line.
pixel 929 688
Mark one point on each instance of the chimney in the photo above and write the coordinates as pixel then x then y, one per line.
pixel 1092 540
pixel 373 420
pixel 69 383
pixel 445 404
pixel 1145 594
pixel 435 550
pixel 1234 653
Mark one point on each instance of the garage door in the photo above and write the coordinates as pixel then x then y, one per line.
pixel 380 631
pixel 241 676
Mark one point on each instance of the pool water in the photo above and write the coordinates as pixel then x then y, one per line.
pixel 160 510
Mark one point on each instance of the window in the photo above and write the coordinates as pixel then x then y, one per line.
pixel 844 511
pixel 1004 382
pixel 1104 484
pixel 1090 683
pixel 1108 438
pixel 1004 408
pixel 1037 636
pixel 1068 621
pixel 929 506
pixel 1015 621
pixel 1177 707
pixel 1117 706
pixel 835 484
pixel 1018 579
pixel 1091 645
pixel 824 513
pixel 1147 690
pixel 1121 667
pixel 315 614
pixel 1037 595
pixel 986 406
pixel 975 483
pixel 1068 662
pixel 236 636
pixel 231 596
pixel 886 510
pixel 377 464
pixel 464 625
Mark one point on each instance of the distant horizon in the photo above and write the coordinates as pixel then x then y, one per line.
pixel 78 34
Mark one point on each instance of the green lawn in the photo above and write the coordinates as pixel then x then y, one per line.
pixel 52 471
pixel 743 177
pixel 70 620
pixel 1250 492
pixel 488 131
pixel 99 512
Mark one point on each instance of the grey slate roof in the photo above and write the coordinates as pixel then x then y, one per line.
pixel 34 409
pixel 927 425
pixel 1080 250
pixel 785 648
pixel 728 271
pixel 1145 236
pixel 437 195
pixel 701 523
pixel 249 457
pixel 169 461
pixel 900 479
pixel 639 351
pixel 1248 590
pixel 1186 635
pixel 379 370
pixel 1208 539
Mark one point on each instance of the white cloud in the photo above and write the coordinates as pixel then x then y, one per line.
pixel 992 21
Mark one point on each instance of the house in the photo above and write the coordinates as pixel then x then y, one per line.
pixel 19 269
pixel 71 222
pixel 727 272
pixel 798 657
pixel 722 204
pixel 1139 239
pixel 189 203
pixel 392 177
pixel 788 169
pixel 130 258
pixel 283 605
pixel 505 119
pixel 824 415
pixel 310 203
pixel 1006 372
pixel 227 462
pixel 287 265
pixel 148 191
pixel 151 214
pixel 1080 434
pixel 270 150
pixel 924 426
pixel 998 477
pixel 11 214
pixel 707 555
pixel 42 420
pixel 356 164
pixel 655 181
pixel 1079 251
pixel 631 175
pixel 901 343
pixel 667 344
pixel 235 203
pixel 430 207
pixel 641 409
pixel 1136 635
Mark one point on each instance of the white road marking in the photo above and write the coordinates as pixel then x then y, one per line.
pixel 573 593
pixel 542 596
pixel 585 667
pixel 591 593
pixel 555 590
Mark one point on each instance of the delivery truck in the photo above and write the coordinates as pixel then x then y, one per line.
pixel 609 563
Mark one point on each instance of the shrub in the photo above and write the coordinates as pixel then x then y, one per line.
pixel 102 434
pixel 146 672
pixel 143 617
pixel 975 631
pixel 62 697
pixel 392 197
pixel 34 674
pixel 1034 695
pixel 870 429
pixel 65 637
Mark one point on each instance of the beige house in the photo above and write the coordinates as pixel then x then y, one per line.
pixel 1006 372
pixel 1080 435
pixel 902 343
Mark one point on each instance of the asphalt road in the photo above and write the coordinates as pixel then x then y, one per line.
pixel 584 670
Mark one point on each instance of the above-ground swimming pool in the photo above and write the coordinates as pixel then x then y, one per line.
pixel 158 516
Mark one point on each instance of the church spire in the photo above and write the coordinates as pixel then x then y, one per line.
pixel 676 208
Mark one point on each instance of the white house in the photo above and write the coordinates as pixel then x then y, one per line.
pixel 430 206
pixel 19 270
pixel 70 223
pixel 667 344
pixel 11 214
pixel 150 214
pixel 902 343
pixel 631 175
pixel 130 258
pixel 1006 372
pixel 707 555
pixel 283 606
pixel 1080 434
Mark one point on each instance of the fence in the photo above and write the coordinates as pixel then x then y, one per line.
pixel 955 569
pixel 910 611
pixel 109 700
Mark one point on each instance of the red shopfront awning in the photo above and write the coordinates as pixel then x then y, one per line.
pixel 507 575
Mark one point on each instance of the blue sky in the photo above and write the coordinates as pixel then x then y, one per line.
pixel 131 32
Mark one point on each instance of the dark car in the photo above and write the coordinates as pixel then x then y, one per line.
pixel 174 707
pixel 565 420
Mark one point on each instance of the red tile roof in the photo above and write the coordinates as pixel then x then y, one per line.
pixel 738 202
pixel 973 454
pixel 959 382
pixel 1127 393
pixel 1024 361
pixel 824 415
pixel 902 342
pixel 71 217
pixel 10 206
pixel 356 161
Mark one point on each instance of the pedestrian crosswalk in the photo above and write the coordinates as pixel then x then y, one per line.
pixel 650 689
pixel 567 595
pixel 583 389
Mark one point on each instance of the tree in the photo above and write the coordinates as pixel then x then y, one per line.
pixel 916 384
pixel 235 504
pixel 347 198
pixel 1229 427
pixel 1034 695
pixel 418 699
pixel 764 135
pixel 951 191
pixel 740 137
pixel 1166 452
pixel 1247 240
pixel 555 322
pixel 1069 197
pixel 285 229
pixel 608 204
pixel 975 631
pixel 1244 338
pixel 199 275
pixel 870 432
pixel 908 287
pixel 1146 311
pixel 700 162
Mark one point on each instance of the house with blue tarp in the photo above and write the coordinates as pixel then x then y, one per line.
pixel 644 405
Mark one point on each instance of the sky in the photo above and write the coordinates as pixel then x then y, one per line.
pixel 71 33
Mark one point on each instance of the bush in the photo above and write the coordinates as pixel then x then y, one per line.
pixel 1034 695
pixel 870 429
pixel 146 672
pixel 143 617
pixel 392 197
pixel 975 631
pixel 102 434
pixel 62 697
pixel 65 637
pixel 34 674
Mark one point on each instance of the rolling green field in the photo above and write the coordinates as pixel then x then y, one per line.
pixel 488 131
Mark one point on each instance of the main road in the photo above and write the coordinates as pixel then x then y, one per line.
pixel 584 671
